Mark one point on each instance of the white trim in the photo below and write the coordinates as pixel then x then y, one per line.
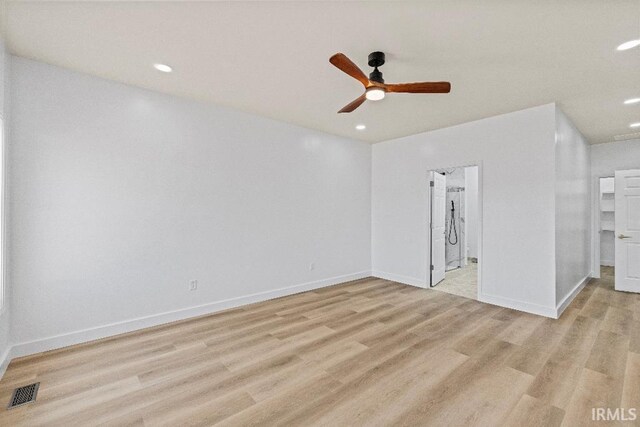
pixel 574 293
pixel 85 335
pixel 480 240
pixel 607 263
pixel 411 281
pixel 540 310
pixel 4 361
pixel 4 293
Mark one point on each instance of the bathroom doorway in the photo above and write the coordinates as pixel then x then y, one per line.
pixel 458 191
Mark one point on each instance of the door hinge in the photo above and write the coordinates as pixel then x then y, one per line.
pixel 431 184
pixel 432 268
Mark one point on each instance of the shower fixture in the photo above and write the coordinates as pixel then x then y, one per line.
pixel 452 226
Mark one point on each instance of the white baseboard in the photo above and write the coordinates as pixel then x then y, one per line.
pixel 541 310
pixel 527 307
pixel 607 263
pixel 85 335
pixel 489 299
pixel 562 305
pixel 4 361
pixel 412 281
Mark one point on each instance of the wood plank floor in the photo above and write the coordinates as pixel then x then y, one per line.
pixel 370 352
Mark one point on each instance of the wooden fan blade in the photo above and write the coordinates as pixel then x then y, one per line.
pixel 423 87
pixel 346 65
pixel 353 104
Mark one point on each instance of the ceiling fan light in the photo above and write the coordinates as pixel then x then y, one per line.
pixel 375 94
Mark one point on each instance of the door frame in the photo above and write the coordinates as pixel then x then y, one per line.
pixel 430 169
pixel 431 192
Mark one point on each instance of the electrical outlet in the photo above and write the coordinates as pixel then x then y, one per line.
pixel 193 285
pixel 312 266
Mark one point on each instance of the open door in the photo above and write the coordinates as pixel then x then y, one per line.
pixel 627 226
pixel 438 220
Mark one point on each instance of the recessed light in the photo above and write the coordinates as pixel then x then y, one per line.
pixel 629 45
pixel 635 125
pixel 361 127
pixel 163 67
pixel 632 101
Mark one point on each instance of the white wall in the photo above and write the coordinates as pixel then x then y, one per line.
pixel 5 312
pixel 516 153
pixel 471 204
pixel 121 196
pixel 573 210
pixel 605 160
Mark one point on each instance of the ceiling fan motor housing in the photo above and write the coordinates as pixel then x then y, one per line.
pixel 376 76
pixel 376 59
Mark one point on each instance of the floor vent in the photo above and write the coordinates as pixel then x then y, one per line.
pixel 24 395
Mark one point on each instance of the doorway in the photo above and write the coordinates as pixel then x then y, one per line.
pixel 455 230
pixel 606 215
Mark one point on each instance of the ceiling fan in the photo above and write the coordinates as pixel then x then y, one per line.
pixel 375 87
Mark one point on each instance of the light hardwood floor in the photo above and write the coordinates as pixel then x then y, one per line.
pixel 370 352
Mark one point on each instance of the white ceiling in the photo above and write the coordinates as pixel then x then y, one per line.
pixel 272 58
